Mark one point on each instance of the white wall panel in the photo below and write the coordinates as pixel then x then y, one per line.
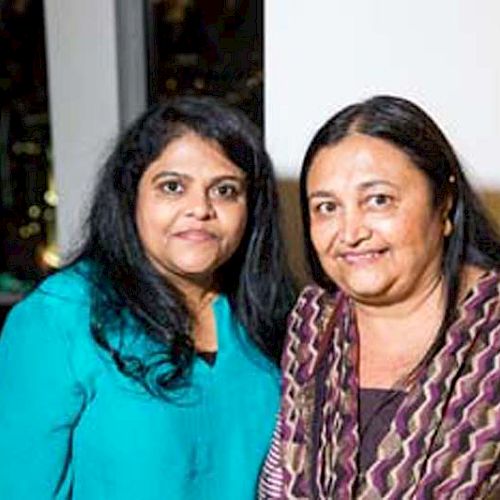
pixel 84 101
pixel 321 55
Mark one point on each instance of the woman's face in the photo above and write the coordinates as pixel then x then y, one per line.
pixel 373 225
pixel 191 209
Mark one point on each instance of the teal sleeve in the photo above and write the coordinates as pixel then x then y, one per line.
pixel 40 401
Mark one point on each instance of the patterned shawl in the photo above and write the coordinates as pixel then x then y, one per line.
pixel 444 441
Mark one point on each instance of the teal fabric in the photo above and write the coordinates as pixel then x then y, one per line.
pixel 72 426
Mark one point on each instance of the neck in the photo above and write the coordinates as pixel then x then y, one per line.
pixel 198 296
pixel 430 298
pixel 197 293
pixel 394 325
pixel 393 339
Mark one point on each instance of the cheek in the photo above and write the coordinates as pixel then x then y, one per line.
pixel 415 233
pixel 235 222
pixel 322 233
pixel 391 229
pixel 153 219
pixel 147 232
pixel 141 222
pixel 144 212
pixel 242 223
pixel 410 229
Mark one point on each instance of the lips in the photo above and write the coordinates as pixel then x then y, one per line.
pixel 365 257
pixel 196 235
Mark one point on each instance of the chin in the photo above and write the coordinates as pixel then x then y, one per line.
pixel 196 265
pixel 196 271
pixel 372 299
pixel 366 292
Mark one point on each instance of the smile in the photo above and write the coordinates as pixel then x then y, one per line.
pixel 196 235
pixel 362 257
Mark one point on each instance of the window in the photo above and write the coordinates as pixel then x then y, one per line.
pixel 27 199
pixel 207 47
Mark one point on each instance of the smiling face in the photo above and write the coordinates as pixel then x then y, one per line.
pixel 372 221
pixel 191 210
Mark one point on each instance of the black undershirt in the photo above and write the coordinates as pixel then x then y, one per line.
pixel 208 356
pixel 377 409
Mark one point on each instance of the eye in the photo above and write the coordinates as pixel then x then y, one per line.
pixel 325 207
pixel 226 191
pixel 379 200
pixel 172 187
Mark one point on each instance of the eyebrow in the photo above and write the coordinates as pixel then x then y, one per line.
pixel 178 175
pixel 361 187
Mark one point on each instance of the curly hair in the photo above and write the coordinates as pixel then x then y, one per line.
pixel 127 287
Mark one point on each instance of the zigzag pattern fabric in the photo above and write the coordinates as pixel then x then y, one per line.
pixel 444 442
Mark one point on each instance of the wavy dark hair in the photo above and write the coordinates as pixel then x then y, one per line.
pixel 128 290
pixel 474 239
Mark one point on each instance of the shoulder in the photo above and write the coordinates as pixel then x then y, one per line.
pixel 486 292
pixel 482 285
pixel 314 306
pixel 51 326
pixel 308 324
pixel 69 285
pixel 57 306
pixel 57 293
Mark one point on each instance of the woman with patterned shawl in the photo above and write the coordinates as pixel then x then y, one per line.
pixel 391 368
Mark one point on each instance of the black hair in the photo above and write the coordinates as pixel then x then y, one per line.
pixel 127 287
pixel 474 239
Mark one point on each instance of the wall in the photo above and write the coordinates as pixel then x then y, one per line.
pixel 321 55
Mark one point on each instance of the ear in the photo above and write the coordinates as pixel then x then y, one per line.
pixel 448 225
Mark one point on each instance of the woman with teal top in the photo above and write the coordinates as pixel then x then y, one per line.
pixel 146 368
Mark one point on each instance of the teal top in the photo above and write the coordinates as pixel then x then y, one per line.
pixel 73 427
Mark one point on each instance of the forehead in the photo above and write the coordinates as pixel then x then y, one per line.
pixel 194 156
pixel 360 159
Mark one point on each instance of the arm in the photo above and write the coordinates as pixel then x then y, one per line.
pixel 304 346
pixel 40 401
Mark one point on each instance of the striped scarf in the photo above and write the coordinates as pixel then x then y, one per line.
pixel 444 441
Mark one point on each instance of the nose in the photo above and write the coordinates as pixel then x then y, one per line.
pixel 199 206
pixel 353 228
